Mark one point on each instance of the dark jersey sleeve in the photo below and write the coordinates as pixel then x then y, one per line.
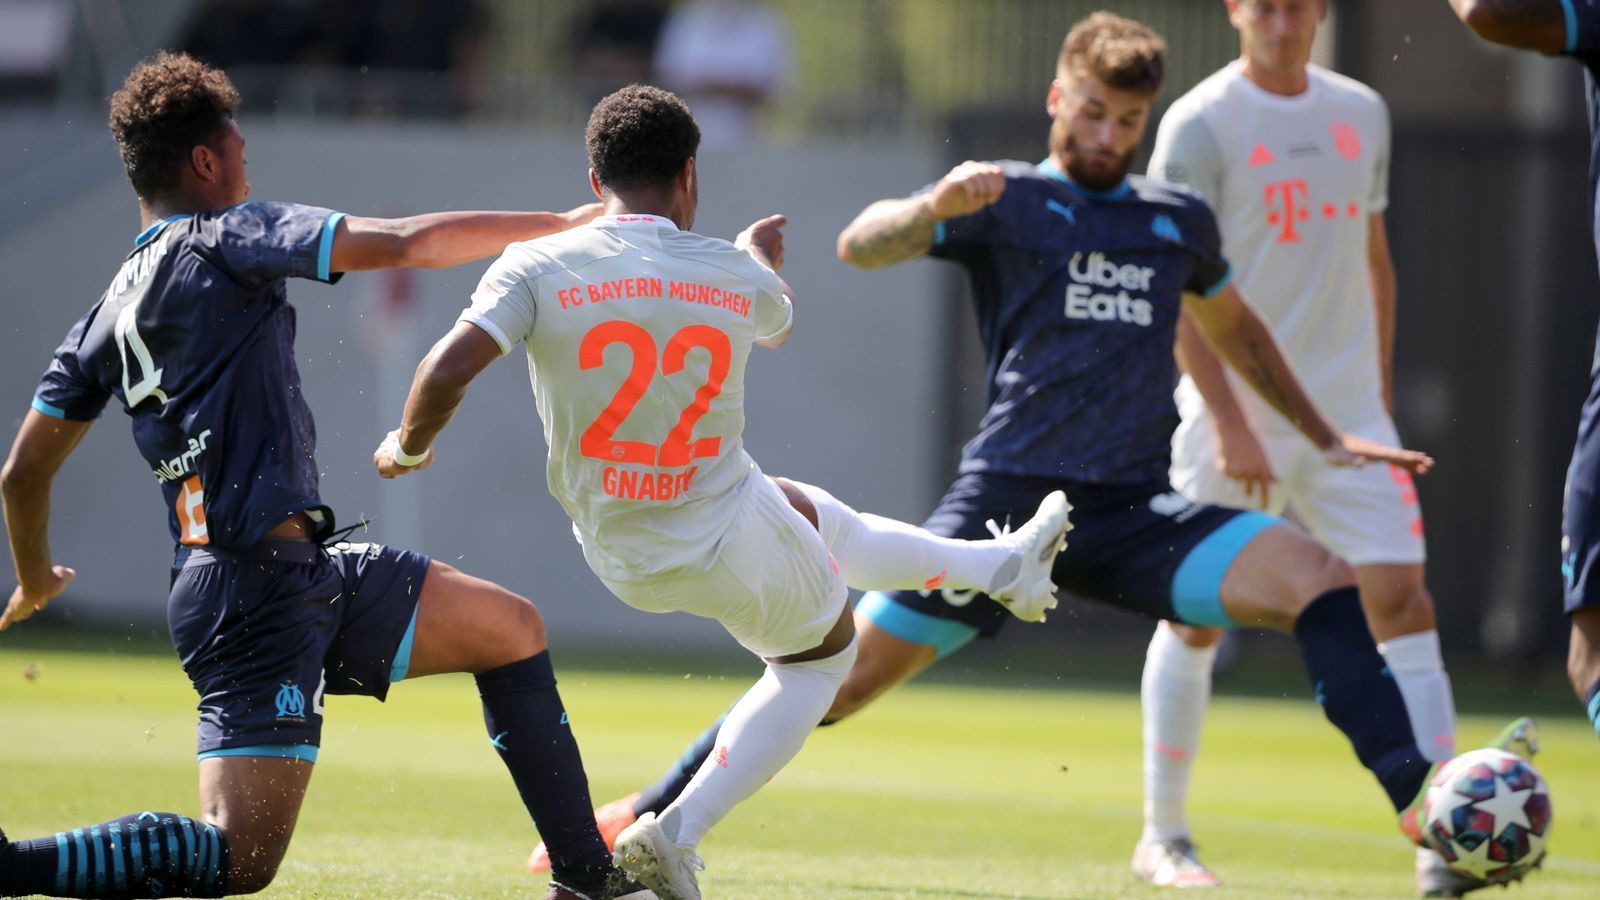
pixel 1211 272
pixel 958 237
pixel 1583 28
pixel 65 392
pixel 258 243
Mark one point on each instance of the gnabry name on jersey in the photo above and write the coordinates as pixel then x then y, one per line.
pixel 1097 271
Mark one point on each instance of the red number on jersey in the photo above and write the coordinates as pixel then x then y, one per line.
pixel 677 450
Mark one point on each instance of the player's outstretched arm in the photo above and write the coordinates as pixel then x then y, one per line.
pixel 1526 24
pixel 42 445
pixel 1241 337
pixel 438 240
pixel 892 231
pixel 437 389
pixel 1240 455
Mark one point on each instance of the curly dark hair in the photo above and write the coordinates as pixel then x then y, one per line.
pixel 170 104
pixel 1122 53
pixel 640 136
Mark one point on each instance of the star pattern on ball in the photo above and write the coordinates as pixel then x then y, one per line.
pixel 1507 806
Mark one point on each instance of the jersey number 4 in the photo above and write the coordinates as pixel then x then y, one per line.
pixel 677 450
pixel 128 341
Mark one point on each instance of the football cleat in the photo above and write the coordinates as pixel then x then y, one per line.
pixel 1171 864
pixel 1435 878
pixel 644 852
pixel 1030 593
pixel 616 886
pixel 612 818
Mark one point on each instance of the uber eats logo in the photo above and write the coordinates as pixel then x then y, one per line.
pixel 1100 287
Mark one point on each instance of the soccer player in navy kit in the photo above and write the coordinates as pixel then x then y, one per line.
pixel 195 338
pixel 1079 273
pixel 1571 27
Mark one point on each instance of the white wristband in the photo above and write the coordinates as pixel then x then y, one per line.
pixel 409 460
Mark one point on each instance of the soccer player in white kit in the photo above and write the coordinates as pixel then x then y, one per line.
pixel 1294 159
pixel 637 332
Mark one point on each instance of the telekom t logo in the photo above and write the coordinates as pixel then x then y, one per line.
pixel 1287 206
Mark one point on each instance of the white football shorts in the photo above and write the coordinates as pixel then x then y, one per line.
pixel 1368 515
pixel 773 584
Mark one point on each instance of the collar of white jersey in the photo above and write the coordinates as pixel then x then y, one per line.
pixel 1280 101
pixel 634 220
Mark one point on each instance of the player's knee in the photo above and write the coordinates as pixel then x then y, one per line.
pixel 252 865
pixel 1318 573
pixel 527 625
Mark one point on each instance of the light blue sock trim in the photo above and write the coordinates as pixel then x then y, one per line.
pixel 119 878
pixel 136 844
pixel 1594 712
pixel 944 635
pixel 307 752
pixel 938 234
pixel 1197 585
pixel 402 653
pixel 1572 25
pixel 98 849
pixel 325 248
pixel 61 862
pixel 80 877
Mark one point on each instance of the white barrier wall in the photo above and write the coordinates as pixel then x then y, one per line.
pixel 852 402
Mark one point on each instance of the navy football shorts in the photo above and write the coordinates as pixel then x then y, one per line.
pixel 264 633
pixel 1143 548
pixel 1580 511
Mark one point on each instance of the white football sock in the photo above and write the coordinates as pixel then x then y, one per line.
pixel 878 554
pixel 1418 669
pixel 760 734
pixel 1174 692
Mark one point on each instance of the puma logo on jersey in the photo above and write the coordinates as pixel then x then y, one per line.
pixel 1085 303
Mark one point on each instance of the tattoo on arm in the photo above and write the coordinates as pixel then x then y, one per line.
pixel 894 231
pixel 1262 373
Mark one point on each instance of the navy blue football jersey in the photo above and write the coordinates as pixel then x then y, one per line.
pixel 195 337
pixel 1078 295
pixel 1583 43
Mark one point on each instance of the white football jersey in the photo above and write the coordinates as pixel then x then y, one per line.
pixel 1294 182
pixel 637 336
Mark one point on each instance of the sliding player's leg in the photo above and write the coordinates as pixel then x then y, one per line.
pixel 467 624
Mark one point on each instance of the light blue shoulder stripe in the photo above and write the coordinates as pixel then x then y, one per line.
pixel 1572 25
pixel 307 752
pixel 325 249
pixel 1222 282
pixel 55 412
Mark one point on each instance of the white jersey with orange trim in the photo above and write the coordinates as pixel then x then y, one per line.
pixel 1294 182
pixel 637 336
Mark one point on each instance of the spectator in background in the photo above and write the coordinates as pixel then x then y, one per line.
pixel 398 44
pixel 726 58
pixel 615 45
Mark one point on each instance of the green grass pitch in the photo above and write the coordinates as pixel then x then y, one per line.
pixel 939 790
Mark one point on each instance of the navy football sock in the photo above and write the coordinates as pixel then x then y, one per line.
pixel 1592 703
pixel 1358 694
pixel 658 796
pixel 152 854
pixel 528 726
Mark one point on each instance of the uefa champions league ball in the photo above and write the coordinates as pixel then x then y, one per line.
pixel 1487 812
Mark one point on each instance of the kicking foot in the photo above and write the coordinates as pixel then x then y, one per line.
pixel 612 818
pixel 1171 864
pixel 615 886
pixel 644 852
pixel 1030 593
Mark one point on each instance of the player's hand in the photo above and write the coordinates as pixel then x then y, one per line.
pixel 968 188
pixel 582 215
pixel 24 604
pixel 1357 451
pixel 383 457
pixel 764 240
pixel 1241 457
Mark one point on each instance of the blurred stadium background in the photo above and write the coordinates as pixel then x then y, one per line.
pixel 402 106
